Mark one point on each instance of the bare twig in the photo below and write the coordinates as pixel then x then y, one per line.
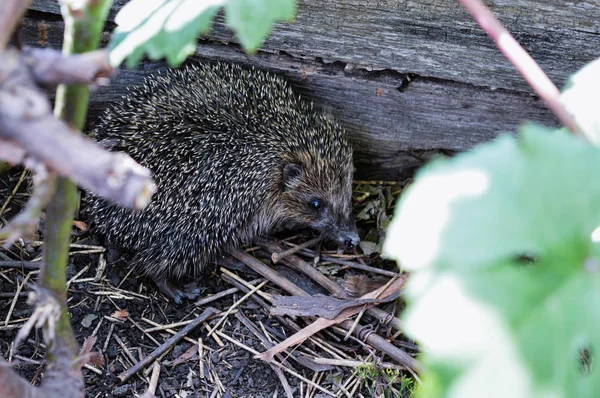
pixel 125 349
pixel 216 296
pixel 170 331
pixel 29 265
pixel 256 331
pixel 352 363
pixel 27 124
pixel 10 295
pixel 14 191
pixel 228 276
pixel 307 269
pixel 277 256
pixel 92 369
pixel 166 345
pixel 50 67
pixel 361 267
pixel 290 371
pixel 234 306
pixel 201 357
pixel 527 67
pixel 14 301
pixel 322 323
pixel 282 320
pixel 25 222
pixel 368 335
pixel 361 313
pixel 11 13
pixel 169 326
pixel 267 272
pixel 142 330
pixel 383 345
pixel 154 378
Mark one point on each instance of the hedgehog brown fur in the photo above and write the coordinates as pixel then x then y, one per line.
pixel 234 153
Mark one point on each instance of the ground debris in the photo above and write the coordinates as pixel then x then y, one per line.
pixel 123 319
pixel 324 306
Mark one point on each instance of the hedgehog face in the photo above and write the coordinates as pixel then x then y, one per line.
pixel 322 199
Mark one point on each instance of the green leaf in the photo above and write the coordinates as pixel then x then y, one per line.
pixel 169 28
pixel 254 19
pixel 160 28
pixel 581 96
pixel 503 245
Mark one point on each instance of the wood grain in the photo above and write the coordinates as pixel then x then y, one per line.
pixel 433 38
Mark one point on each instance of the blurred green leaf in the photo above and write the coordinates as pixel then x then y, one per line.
pixel 581 97
pixel 503 245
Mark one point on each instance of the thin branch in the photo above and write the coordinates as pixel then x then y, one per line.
pixel 28 125
pixel 11 13
pixel 527 67
pixel 13 385
pixel 278 256
pixel 51 68
pixel 209 311
pixel 263 339
pixel 25 222
pixel 63 377
pixel 267 272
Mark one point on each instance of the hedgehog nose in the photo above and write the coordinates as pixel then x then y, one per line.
pixel 351 240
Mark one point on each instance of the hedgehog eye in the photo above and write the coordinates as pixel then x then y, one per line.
pixel 316 204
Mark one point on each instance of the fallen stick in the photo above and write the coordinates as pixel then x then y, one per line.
pixel 300 359
pixel 267 272
pixel 51 68
pixel 235 305
pixel 166 345
pixel 310 271
pixel 221 294
pixel 154 378
pixel 358 266
pixel 278 256
pixel 29 265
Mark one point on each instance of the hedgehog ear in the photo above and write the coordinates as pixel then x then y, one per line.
pixel 292 174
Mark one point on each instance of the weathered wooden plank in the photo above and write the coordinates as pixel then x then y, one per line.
pixel 434 38
pixel 386 116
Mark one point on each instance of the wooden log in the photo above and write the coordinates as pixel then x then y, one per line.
pixel 434 38
pixel 402 77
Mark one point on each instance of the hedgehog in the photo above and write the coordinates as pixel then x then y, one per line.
pixel 235 154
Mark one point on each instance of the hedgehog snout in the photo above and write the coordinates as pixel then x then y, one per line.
pixel 350 240
pixel 346 234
